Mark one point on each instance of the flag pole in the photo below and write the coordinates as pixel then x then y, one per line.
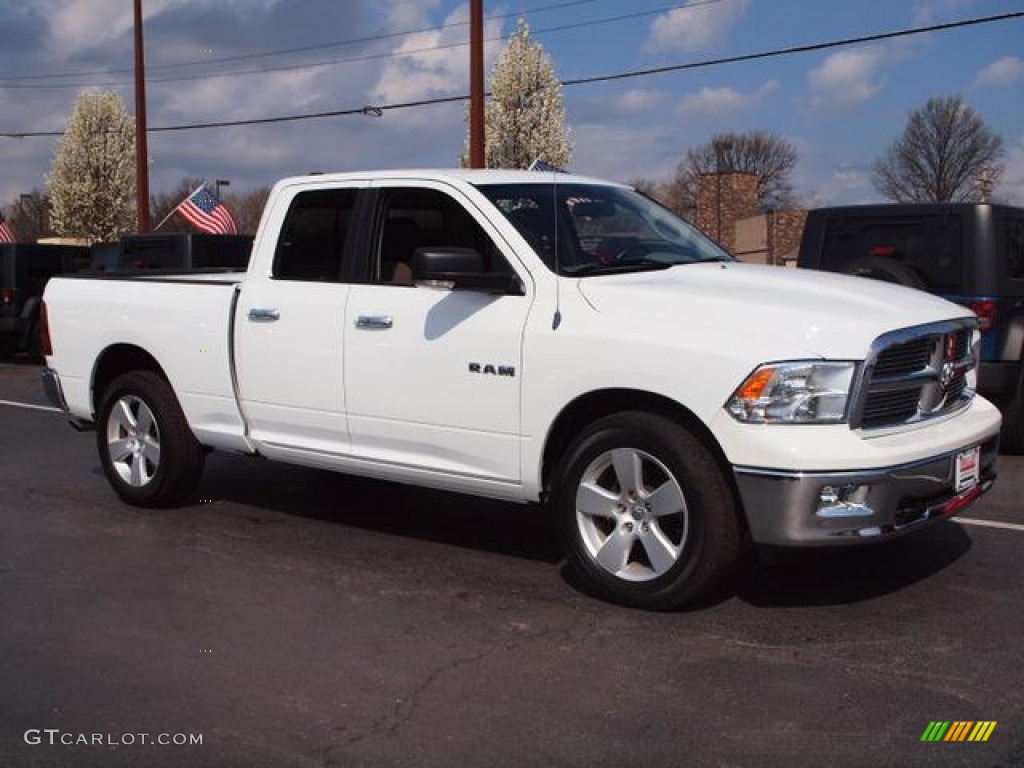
pixel 165 218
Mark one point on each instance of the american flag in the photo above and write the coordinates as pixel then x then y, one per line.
pixel 208 214
pixel 6 233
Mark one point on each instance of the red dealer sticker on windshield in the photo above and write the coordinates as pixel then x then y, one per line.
pixel 967 463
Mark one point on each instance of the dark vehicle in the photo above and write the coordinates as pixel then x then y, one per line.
pixel 24 270
pixel 172 250
pixel 972 254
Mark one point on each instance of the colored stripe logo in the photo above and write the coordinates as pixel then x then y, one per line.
pixel 958 730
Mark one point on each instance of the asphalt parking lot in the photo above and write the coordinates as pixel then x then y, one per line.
pixel 292 617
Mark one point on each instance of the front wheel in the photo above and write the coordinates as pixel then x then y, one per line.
pixel 647 515
pixel 149 454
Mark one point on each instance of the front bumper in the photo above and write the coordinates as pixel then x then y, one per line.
pixel 786 509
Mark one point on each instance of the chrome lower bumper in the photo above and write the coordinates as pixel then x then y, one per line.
pixel 795 509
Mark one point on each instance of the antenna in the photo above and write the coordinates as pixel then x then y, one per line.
pixel 557 319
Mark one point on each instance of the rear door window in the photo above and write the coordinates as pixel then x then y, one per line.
pixel 314 236
pixel 931 246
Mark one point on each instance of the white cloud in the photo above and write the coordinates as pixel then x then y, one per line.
pixel 931 11
pixel 847 77
pixel 638 100
pixel 716 102
pixel 697 26
pixel 1002 72
pixel 418 73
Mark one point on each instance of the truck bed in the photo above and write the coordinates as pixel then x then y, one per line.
pixel 182 320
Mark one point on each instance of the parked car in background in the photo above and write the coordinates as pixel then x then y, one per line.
pixel 172 250
pixel 24 270
pixel 971 254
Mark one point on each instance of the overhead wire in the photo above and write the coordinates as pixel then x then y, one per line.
pixel 374 56
pixel 775 53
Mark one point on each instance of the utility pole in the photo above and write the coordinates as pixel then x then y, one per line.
pixel 141 150
pixel 477 156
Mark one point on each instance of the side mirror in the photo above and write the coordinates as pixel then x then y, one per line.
pixel 460 269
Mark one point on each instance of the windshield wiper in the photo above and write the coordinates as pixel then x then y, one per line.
pixel 634 265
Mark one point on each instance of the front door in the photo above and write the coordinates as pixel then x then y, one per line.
pixel 433 376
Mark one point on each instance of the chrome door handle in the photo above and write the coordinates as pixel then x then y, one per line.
pixel 374 322
pixel 264 315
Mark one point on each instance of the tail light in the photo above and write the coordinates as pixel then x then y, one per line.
pixel 985 309
pixel 6 296
pixel 44 331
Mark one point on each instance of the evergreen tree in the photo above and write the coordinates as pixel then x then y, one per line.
pixel 92 182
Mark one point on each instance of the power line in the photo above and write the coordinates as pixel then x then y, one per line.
pixel 287 51
pixel 377 56
pixel 366 110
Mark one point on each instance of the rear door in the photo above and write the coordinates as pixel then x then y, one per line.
pixel 432 376
pixel 289 328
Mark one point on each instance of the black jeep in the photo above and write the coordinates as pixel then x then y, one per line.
pixel 972 254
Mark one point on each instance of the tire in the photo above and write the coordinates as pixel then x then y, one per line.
pixel 879 268
pixel 646 513
pixel 148 452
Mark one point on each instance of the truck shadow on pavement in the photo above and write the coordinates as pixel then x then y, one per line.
pixel 518 530
pixel 843 576
pixel 260 493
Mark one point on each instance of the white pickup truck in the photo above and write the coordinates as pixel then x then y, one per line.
pixel 538 337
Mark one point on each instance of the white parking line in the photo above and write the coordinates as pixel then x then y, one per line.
pixel 31 407
pixel 990 523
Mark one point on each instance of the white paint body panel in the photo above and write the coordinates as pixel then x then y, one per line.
pixel 402 404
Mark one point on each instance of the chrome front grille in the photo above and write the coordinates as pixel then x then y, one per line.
pixel 914 375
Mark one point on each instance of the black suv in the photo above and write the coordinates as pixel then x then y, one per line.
pixel 972 254
pixel 24 270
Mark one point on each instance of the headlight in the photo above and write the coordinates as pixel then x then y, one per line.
pixel 794 393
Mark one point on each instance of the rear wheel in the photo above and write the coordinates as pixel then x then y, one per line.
pixel 646 513
pixel 148 452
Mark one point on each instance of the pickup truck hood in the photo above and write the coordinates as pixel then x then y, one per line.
pixel 824 314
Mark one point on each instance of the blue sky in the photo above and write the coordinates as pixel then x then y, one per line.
pixel 840 107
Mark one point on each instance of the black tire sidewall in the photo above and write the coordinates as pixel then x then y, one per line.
pixel 697 475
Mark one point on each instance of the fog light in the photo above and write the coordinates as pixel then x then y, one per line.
pixel 844 501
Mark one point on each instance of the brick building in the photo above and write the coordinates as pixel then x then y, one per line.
pixel 727 212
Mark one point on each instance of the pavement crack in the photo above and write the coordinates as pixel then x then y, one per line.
pixel 404 709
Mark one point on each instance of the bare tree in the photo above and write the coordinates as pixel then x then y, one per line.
pixel 946 154
pixel 29 216
pixel 525 118
pixel 92 182
pixel 248 208
pixel 769 157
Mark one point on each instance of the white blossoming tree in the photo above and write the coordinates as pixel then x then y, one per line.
pixel 524 118
pixel 92 182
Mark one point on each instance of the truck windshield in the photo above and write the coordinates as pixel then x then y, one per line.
pixel 589 229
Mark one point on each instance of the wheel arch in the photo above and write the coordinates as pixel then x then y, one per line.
pixel 117 359
pixel 591 406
